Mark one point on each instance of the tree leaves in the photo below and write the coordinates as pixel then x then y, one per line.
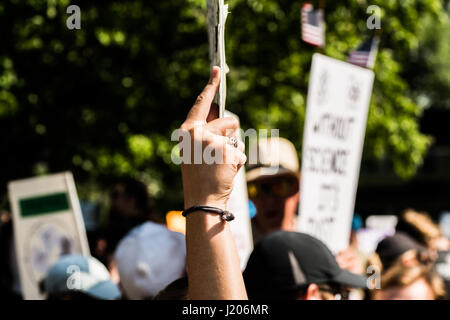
pixel 102 101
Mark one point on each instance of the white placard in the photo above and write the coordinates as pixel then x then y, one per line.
pixel 47 223
pixel 368 239
pixel 338 102
pixel 238 205
pixel 385 222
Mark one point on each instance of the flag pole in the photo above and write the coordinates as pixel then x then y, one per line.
pixel 321 6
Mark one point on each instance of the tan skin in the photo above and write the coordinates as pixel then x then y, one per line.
pixel 212 258
pixel 418 290
pixel 276 212
pixel 313 292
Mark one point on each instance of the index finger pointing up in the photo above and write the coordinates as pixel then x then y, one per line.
pixel 200 110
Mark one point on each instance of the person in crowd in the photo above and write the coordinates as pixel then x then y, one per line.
pixel 9 274
pixel 273 186
pixel 420 226
pixel 442 266
pixel 130 206
pixel 423 229
pixel 76 277
pixel 409 282
pixel 296 266
pixel 148 259
pixel 407 270
pixel 403 249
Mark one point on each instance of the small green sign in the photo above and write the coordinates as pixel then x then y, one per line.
pixel 46 204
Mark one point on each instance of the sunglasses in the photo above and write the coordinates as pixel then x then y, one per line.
pixel 281 188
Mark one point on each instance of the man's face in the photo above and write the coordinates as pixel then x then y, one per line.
pixel 276 200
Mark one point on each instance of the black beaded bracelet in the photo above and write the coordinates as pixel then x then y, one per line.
pixel 226 215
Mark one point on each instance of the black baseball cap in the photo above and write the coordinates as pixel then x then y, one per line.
pixel 390 248
pixel 284 262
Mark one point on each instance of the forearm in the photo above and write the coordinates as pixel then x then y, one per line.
pixel 212 259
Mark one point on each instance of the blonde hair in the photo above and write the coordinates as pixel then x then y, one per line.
pixel 400 276
pixel 419 225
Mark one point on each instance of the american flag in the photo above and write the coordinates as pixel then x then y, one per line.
pixel 366 53
pixel 313 27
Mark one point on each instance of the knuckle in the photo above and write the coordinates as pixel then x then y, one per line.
pixel 184 127
pixel 234 122
pixel 201 97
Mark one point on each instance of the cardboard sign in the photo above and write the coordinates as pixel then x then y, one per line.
pixel 47 224
pixel 217 13
pixel 239 206
pixel 338 102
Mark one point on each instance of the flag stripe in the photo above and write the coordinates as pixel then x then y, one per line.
pixel 312 25
pixel 365 54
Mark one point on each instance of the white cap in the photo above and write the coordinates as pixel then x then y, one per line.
pixel 276 156
pixel 149 258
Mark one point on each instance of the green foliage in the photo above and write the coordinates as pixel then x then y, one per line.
pixel 102 101
pixel 270 70
pixel 431 84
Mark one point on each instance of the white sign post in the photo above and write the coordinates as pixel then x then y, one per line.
pixel 337 107
pixel 238 204
pixel 47 224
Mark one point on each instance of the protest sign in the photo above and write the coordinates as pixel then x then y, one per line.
pixel 238 204
pixel 217 13
pixel 47 224
pixel 377 228
pixel 338 102
pixel 384 221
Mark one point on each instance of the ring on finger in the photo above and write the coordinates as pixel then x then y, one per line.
pixel 233 141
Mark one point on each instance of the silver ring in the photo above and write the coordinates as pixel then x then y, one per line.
pixel 233 141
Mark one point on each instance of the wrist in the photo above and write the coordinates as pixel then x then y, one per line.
pixel 221 204
pixel 224 214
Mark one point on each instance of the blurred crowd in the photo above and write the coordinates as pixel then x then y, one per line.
pixel 135 255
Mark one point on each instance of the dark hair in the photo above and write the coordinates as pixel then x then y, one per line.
pixel 138 190
pixel 72 295
pixel 177 290
pixel 6 274
pixel 418 225
pixel 298 293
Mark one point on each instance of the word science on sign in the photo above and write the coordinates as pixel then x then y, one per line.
pixel 338 103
